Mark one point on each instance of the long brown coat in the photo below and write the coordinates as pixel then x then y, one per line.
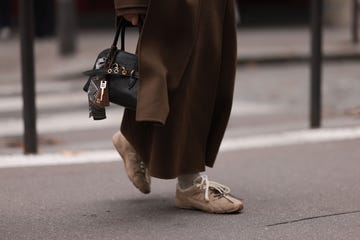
pixel 187 60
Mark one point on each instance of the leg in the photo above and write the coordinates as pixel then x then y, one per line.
pixel 203 194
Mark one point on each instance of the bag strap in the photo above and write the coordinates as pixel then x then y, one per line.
pixel 120 31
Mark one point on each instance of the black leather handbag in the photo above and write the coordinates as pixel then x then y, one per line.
pixel 114 77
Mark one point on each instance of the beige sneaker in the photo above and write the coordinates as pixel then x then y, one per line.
pixel 207 196
pixel 135 168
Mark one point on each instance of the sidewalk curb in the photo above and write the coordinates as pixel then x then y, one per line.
pixel 280 139
pixel 277 59
pixel 241 61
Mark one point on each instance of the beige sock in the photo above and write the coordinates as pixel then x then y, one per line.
pixel 187 180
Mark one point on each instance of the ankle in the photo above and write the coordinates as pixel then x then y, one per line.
pixel 187 180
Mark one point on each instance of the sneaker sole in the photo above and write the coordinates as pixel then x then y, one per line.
pixel 185 207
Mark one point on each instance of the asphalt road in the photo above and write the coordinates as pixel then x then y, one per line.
pixel 309 191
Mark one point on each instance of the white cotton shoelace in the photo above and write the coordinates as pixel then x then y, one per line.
pixel 221 189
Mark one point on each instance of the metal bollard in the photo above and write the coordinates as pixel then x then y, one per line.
pixel 66 27
pixel 316 63
pixel 26 21
pixel 355 22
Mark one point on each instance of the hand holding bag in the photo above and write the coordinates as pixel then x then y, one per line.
pixel 114 77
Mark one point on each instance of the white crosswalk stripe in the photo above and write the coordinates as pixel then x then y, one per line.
pixel 62 122
pixel 64 110
pixel 73 114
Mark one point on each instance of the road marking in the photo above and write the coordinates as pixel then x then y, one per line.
pixel 54 159
pixel 229 144
pixel 42 87
pixel 45 101
pixel 78 121
pixel 64 122
pixel 243 108
pixel 291 138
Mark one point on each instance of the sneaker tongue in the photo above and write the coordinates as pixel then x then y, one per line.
pixel 198 180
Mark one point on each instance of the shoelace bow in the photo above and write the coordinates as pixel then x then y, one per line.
pixel 221 190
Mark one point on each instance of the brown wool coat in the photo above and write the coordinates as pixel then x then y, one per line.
pixel 187 60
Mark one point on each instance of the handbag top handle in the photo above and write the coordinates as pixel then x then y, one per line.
pixel 122 24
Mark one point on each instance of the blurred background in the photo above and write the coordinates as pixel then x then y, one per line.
pixel 272 85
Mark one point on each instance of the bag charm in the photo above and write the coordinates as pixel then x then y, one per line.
pixel 114 77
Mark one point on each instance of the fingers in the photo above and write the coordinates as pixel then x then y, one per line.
pixel 133 18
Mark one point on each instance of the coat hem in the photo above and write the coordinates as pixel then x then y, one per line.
pixel 152 120
pixel 175 175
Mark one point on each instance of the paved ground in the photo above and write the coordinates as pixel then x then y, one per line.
pixel 297 185
pixel 297 192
